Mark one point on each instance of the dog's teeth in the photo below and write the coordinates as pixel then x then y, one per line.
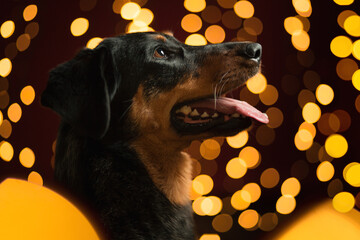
pixel 205 115
pixel 185 109
pixel 235 115
pixel 215 115
pixel 194 113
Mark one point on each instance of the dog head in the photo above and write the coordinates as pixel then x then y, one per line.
pixel 152 84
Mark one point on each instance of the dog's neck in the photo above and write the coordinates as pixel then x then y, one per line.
pixel 168 166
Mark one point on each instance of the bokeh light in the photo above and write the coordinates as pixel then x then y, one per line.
pixel 356 49
pixel 269 96
pixel 79 27
pixel 6 151
pixel 303 139
pixel 209 237
pixel 203 184
pixel 222 223
pixel 254 190
pixel 236 168
pixel 300 40
pixel 257 84
pixel 253 26
pixel 269 178
pixel 130 10
pixel 5 129
pixel 325 171
pixel 27 157
pixel 5 67
pixel 196 40
pixel 341 46
pixel 215 34
pixel 324 94
pixel 291 186
pixel 14 112
pixel 241 200
pixel 211 14
pixel 352 25
pixel 30 12
pixel 344 2
pixel 239 140
pixel 265 135
pixel 23 42
pixel 7 28
pixel 336 146
pixel 35 177
pixel 226 3
pixel 311 112
pixel 285 204
pixel 92 43
pixel 293 25
pixel 346 68
pixel 144 18
pixel 268 221
pixel 191 23
pixel 27 95
pixel 210 149
pixel 276 117
pixel 248 219
pixel 343 202
pixel 195 5
pixel 251 157
pixel 351 174
pixel 356 80
pixel 244 9
pixel 231 20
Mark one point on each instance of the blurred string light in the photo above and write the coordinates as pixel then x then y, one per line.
pixel 7 28
pixel 79 26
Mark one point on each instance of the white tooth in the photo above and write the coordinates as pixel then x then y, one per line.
pixel 215 115
pixel 185 109
pixel 235 115
pixel 205 115
pixel 194 113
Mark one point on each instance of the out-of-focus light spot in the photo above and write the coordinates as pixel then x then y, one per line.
pixel 249 97
pixel 253 26
pixel 196 205
pixel 131 28
pixel 323 156
pixel 324 94
pixel 269 96
pixel 352 25
pixel 265 135
pixel 305 96
pixel 309 127
pixel 209 237
pixel 5 67
pixel 325 171
pixel 244 9
pixel 130 10
pixel 117 4
pixel 211 14
pixel 79 27
pixel 191 23
pixel 351 174
pixel 302 7
pixel 226 3
pixel 231 20
pixel 356 49
pixel 23 42
pixel 334 187
pixel 27 157
pixel 303 139
pixel 293 25
pixel 222 223
pixel 357 103
pixel 343 202
pixel 7 29
pixel 343 16
pixel 268 221
pixel 328 124
pixel 341 46
pixel 311 112
pixel 27 95
pixel 236 168
pixel 30 12
pixel 32 29
pixel 212 205
pixel 196 40
pixel 14 112
pixel 5 129
pixel 1 118
pixel 203 184
pixel 92 43
pixel 242 35
pixel 285 204
pixel 291 186
pixel 239 140
pixel 269 178
pixel 254 190
pixel 336 146
pixel 311 80
pixel 276 117
pixel 144 18
pixel 343 2
pixel 251 156
pixel 248 219
pixel 300 40
pixel 195 5
pixel 241 200
pixel 257 84
pixel 210 149
pixel 6 151
pixel 215 34
pixel 356 79
pixel 346 68
pixel 35 178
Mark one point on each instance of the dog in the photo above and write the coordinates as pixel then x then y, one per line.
pixel 128 108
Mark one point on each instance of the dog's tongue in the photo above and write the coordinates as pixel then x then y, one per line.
pixel 229 106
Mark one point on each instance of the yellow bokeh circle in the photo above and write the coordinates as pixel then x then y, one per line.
pixel 130 10
pixel 324 94
pixel 300 40
pixel 195 5
pixel 5 67
pixel 79 26
pixel 236 168
pixel 203 184
pixel 7 29
pixel 239 140
pixel 343 202
pixel 93 42
pixel 325 171
pixel 191 23
pixel 27 95
pixel 6 151
pixel 14 112
pixel 285 204
pixel 311 112
pixel 291 186
pixel 351 174
pixel 336 146
pixel 341 46
pixel 241 200
pixel 356 79
pixel 210 149
pixel 27 157
pixel 352 25
pixel 244 9
pixel 356 49
pixel 196 40
pixel 215 34
pixel 254 190
pixel 343 2
pixel 248 219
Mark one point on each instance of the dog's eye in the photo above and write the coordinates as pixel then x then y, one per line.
pixel 160 53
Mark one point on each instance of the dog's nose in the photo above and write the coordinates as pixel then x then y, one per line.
pixel 253 51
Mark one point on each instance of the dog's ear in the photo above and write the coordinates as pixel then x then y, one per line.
pixel 81 89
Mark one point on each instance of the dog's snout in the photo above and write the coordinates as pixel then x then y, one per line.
pixel 253 51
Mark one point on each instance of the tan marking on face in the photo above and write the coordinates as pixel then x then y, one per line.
pixel 160 37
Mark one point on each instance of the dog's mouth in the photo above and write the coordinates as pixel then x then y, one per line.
pixel 222 116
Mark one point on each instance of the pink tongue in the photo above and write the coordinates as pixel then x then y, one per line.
pixel 229 106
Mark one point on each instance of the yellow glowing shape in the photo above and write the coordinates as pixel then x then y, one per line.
pixel 241 200
pixel 131 28
pixel 248 219
pixel 269 96
pixel 343 202
pixel 222 223
pixel 251 156
pixel 1 118
pixel 254 190
pixel 30 12
pixel 352 25
pixel 130 10
pixel 27 157
pixel 7 29
pixel 343 16
pixel 144 18
pixel 244 9
pixel 323 222
pixel 324 94
pixel 344 2
pixel 303 139
pixel 214 205
pixel 325 171
pixel 257 84
pixel 341 46
pixel 356 79
pixel 269 178
pixel 6 151
pixel 23 42
pixel 352 174
pixel 239 140
pixel 29 206
pixel 356 49
pixel 195 5
pixel 276 117
pixel 5 67
pixel 209 237
pixel 215 34
pixel 302 7
pixel 236 168
pixel 285 204
pixel 311 112
pixel 291 186
pixel 92 43
pixel 197 206
pixel 336 146
pixel 310 127
pixel 210 149
pixel 14 112
pixel 35 178
pixel 206 206
pixel 300 40
pixel 191 23
pixel 79 26
pixel 203 184
pixel 196 40
pixel 27 95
